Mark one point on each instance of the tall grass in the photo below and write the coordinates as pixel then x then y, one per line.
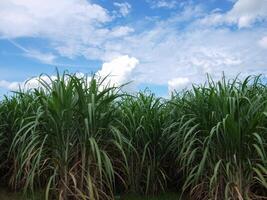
pixel 66 143
pixel 143 124
pixel 225 156
pixel 81 138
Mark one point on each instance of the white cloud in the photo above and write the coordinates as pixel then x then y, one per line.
pixel 48 18
pixel 119 69
pixel 121 31
pixel 263 42
pixel 9 85
pixel 47 58
pixel 244 14
pixel 124 8
pixel 169 4
pixel 178 83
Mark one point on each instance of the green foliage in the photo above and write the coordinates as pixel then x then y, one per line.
pixel 66 139
pixel 225 151
pixel 80 138
pixel 142 123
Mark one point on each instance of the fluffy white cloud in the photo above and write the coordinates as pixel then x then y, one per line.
pixel 178 83
pixel 263 42
pixel 49 18
pixel 119 70
pixel 244 13
pixel 124 8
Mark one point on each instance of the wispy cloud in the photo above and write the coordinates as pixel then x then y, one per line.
pixel 124 8
pixel 47 58
pixel 168 4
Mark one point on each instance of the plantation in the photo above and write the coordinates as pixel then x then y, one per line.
pixel 80 138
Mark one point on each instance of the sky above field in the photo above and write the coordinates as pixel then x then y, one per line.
pixel 160 44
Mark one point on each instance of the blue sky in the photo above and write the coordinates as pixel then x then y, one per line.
pixel 160 44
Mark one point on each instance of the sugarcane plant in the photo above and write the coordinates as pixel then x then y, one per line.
pixel 82 137
pixel 225 151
